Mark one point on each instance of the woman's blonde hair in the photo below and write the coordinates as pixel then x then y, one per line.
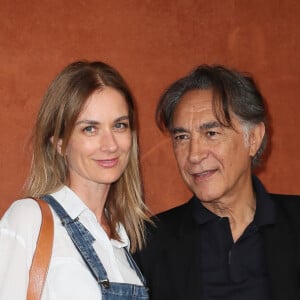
pixel 59 110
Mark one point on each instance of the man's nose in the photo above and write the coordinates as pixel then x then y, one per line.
pixel 198 150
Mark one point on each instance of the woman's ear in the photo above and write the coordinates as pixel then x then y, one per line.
pixel 58 145
pixel 256 136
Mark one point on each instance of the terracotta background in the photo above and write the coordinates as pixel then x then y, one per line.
pixel 152 43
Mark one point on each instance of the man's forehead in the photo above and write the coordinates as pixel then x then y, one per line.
pixel 195 101
pixel 193 109
pixel 198 94
pixel 195 113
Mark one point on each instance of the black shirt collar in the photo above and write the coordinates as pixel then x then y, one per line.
pixel 265 208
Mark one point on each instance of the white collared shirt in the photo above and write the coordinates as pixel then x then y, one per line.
pixel 68 276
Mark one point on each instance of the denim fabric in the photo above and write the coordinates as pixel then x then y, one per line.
pixel 83 240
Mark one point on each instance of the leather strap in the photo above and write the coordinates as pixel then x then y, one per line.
pixel 42 255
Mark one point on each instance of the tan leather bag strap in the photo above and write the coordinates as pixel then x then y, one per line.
pixel 42 255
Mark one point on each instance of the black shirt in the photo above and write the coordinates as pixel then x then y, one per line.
pixel 234 270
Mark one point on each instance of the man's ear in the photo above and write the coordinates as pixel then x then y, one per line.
pixel 58 144
pixel 256 136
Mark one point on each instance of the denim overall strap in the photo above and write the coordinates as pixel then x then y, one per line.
pixel 82 239
pixel 134 266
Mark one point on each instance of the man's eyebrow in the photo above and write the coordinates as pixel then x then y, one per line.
pixel 204 126
pixel 210 125
pixel 175 130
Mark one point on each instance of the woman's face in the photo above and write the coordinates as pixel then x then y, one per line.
pixel 99 146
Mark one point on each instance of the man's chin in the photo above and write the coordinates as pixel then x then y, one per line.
pixel 206 197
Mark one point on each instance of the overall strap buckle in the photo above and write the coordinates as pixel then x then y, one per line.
pixel 104 283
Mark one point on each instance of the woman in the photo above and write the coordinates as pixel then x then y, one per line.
pixel 85 160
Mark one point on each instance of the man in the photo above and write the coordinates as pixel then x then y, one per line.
pixel 232 240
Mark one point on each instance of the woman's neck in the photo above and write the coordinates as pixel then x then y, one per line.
pixel 94 196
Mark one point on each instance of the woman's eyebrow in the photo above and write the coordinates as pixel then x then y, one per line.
pixel 123 118
pixel 89 122
pixel 94 122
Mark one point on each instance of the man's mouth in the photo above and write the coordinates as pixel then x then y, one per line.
pixel 204 175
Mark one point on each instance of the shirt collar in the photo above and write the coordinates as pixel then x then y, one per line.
pixel 124 240
pixel 265 209
pixel 74 206
pixel 201 214
pixel 69 200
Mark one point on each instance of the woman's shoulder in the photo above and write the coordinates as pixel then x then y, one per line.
pixel 22 218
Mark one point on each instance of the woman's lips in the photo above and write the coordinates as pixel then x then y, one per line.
pixel 108 163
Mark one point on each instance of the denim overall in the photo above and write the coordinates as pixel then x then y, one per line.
pixel 83 241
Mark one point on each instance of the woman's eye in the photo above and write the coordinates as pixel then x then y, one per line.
pixel 121 125
pixel 89 129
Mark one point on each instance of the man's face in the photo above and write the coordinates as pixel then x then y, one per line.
pixel 214 161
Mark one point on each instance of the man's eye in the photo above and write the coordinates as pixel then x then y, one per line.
pixel 181 137
pixel 211 133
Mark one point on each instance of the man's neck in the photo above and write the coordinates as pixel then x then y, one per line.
pixel 240 212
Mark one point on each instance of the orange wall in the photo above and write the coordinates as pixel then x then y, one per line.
pixel 152 43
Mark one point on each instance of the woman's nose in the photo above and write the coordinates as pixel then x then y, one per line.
pixel 108 142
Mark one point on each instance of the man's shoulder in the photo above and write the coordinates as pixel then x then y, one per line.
pixel 285 197
pixel 288 206
pixel 286 200
pixel 169 221
pixel 173 213
pixel 163 231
